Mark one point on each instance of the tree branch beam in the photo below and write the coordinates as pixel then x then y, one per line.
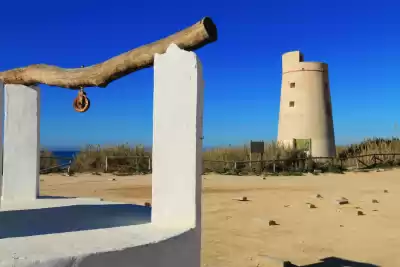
pixel 102 74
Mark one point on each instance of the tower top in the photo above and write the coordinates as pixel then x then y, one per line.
pixel 294 61
pixel 293 56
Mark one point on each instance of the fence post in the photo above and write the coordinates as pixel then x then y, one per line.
pixel 234 166
pixel 306 161
pixel 106 164
pixel 149 163
pixel 262 163
pixel 273 166
pixel 69 168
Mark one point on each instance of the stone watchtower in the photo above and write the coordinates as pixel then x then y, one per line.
pixel 305 115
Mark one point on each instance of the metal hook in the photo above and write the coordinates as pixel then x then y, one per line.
pixel 81 102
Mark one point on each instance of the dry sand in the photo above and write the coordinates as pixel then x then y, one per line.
pixel 237 233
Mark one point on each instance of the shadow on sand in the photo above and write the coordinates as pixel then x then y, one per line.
pixel 20 223
pixel 55 197
pixel 336 262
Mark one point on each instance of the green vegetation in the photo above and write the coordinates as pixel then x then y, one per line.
pixel 47 160
pixel 234 160
pixel 126 159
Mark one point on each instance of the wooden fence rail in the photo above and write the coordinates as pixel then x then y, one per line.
pixel 137 161
pixel 357 161
pixel 144 163
pixel 67 164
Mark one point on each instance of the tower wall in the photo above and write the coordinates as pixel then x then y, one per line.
pixel 305 105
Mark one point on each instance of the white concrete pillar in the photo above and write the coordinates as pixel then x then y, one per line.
pixel 21 154
pixel 177 138
pixel 1 133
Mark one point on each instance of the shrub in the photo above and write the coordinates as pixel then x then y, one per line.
pixel 127 159
pixel 135 159
pixel 47 160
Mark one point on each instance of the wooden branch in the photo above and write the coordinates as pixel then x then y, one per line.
pixel 100 75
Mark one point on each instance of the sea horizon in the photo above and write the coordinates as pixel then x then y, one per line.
pixel 69 153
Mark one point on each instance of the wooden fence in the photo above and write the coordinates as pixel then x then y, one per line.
pixel 143 164
pixel 139 164
pixel 53 164
pixel 304 164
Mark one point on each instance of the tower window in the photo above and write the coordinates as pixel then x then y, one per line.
pixel 292 85
pixel 291 104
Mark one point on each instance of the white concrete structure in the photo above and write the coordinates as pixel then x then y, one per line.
pixel 1 135
pixel 305 105
pixel 93 233
pixel 21 143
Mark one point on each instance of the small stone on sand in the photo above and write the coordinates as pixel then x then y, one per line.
pixel 342 201
pixel 242 199
pixel 311 206
pixel 272 222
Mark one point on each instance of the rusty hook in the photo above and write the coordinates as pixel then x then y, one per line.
pixel 81 102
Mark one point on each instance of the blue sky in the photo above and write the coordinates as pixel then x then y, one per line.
pixel 358 39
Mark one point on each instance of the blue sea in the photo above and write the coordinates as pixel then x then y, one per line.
pixel 71 153
pixel 64 153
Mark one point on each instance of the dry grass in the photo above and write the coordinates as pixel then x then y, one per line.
pixel 371 146
pixel 47 160
pixel 130 159
pixel 134 159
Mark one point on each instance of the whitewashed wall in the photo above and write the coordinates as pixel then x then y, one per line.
pixel 173 238
pixel 21 143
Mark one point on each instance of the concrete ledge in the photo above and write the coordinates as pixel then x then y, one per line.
pixel 140 243
pixel 43 217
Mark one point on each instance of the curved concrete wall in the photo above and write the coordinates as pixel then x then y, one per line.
pixel 305 105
